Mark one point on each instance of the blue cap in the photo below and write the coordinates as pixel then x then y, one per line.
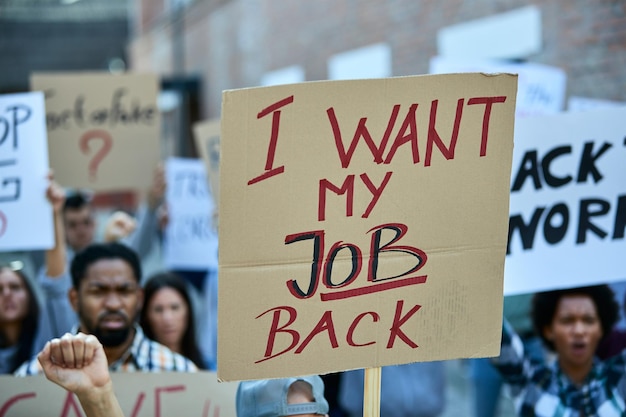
pixel 268 398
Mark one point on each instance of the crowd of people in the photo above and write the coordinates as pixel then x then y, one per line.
pixel 89 311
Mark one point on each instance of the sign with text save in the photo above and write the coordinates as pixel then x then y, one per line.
pixel 139 394
pixel 99 126
pixel 568 201
pixel 25 214
pixel 363 223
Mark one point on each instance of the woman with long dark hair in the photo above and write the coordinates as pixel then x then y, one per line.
pixel 167 315
pixel 19 315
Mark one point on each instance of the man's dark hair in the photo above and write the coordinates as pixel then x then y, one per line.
pixel 545 304
pixel 99 251
pixel 75 202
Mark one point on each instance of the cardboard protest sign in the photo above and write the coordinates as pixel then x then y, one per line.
pixel 100 126
pixel 25 214
pixel 139 394
pixel 363 223
pixel 207 138
pixel 190 238
pixel 568 201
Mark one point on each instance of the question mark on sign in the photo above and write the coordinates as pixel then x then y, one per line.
pixel 3 223
pixel 107 143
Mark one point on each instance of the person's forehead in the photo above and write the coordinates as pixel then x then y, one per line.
pixel 8 276
pixel 110 272
pixel 575 302
pixel 167 295
pixel 84 211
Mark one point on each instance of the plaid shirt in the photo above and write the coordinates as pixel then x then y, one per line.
pixel 144 355
pixel 545 391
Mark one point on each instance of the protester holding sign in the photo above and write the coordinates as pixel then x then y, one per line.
pixel 107 297
pixel 571 323
pixel 78 364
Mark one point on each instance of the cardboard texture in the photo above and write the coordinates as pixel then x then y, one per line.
pixel 568 202
pixel 103 129
pixel 207 139
pixel 363 223
pixel 25 213
pixel 139 394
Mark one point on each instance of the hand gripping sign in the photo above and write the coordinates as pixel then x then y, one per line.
pixel 363 223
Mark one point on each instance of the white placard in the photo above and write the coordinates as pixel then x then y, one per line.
pixel 25 213
pixel 287 75
pixel 190 237
pixel 540 89
pixel 372 61
pixel 568 202
pixel 509 35
pixel 576 103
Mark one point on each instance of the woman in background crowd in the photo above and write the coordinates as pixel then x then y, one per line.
pixel 167 316
pixel 571 322
pixel 19 315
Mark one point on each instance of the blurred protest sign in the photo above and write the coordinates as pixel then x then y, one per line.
pixel 139 394
pixel 190 238
pixel 25 214
pixel 576 103
pixel 207 139
pixel 100 126
pixel 363 223
pixel 568 201
pixel 514 34
pixel 541 88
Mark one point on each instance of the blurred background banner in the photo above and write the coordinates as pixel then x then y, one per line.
pixel 23 172
pixel 99 125
pixel 139 395
pixel 190 241
pixel 568 201
pixel 540 90
pixel 207 139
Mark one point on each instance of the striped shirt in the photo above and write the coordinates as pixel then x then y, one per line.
pixel 545 391
pixel 144 355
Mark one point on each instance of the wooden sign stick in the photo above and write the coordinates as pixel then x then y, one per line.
pixel 371 394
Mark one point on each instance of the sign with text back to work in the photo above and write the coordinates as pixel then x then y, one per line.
pixel 363 223
pixel 568 202
pixel 103 129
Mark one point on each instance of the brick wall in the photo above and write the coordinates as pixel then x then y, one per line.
pixel 27 47
pixel 230 44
